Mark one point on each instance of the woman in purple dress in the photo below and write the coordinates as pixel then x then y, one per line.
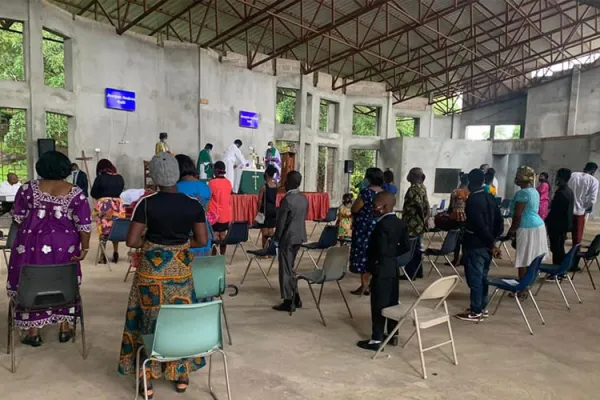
pixel 54 220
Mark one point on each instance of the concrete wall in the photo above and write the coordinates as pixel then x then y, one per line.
pixel 547 109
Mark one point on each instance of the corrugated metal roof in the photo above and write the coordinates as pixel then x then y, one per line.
pixel 431 48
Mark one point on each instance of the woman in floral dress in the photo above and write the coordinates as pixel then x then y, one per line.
pixel 364 222
pixel 54 221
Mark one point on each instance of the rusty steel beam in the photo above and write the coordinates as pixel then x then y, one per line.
pixel 354 15
pixel 140 17
pixel 433 55
pixel 499 51
pixel 247 23
pixel 458 4
pixel 176 16
pixel 87 7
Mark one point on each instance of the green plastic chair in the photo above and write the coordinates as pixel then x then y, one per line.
pixel 184 331
pixel 209 281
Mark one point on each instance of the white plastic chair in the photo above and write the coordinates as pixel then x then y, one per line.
pixel 424 317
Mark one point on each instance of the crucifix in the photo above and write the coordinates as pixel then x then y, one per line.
pixel 85 164
pixel 256 178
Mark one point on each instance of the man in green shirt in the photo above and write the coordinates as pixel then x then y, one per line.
pixel 204 164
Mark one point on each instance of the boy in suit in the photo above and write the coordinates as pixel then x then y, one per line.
pixel 389 240
pixel 290 233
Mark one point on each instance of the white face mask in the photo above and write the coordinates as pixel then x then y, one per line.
pixel 269 147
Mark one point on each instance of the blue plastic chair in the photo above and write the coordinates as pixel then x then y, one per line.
pixel 560 272
pixel 209 281
pixel 442 205
pixel 405 258
pixel 184 331
pixel 327 240
pixel 329 218
pixel 448 247
pixel 269 251
pixel 118 233
pixel 237 234
pixel 514 286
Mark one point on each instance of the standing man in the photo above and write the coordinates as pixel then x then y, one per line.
pixel 233 158
pixel 560 218
pixel 272 157
pixel 290 233
pixel 162 146
pixel 204 164
pixel 9 188
pixel 415 212
pixel 484 226
pixel 388 241
pixel 585 189
pixel 80 178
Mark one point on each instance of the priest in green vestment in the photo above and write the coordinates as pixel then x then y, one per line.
pixel 204 164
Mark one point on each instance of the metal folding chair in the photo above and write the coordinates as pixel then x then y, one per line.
pixel 269 251
pixel 448 247
pixel 329 218
pixel 334 270
pixel 405 258
pixel 237 235
pixel 424 317
pixel 589 257
pixel 46 288
pixel 515 286
pixel 118 233
pixel 561 272
pixel 327 240
pixel 10 239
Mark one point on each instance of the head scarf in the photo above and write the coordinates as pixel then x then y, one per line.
pixel 53 165
pixel 105 167
pixel 525 174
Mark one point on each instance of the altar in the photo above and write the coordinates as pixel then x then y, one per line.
pixel 248 181
pixel 245 206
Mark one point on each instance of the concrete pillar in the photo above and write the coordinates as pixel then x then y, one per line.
pixel 34 73
pixel 573 101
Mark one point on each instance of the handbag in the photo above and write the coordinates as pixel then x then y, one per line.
pixel 260 216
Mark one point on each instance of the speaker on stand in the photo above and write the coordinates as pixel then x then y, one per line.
pixel 46 145
pixel 348 170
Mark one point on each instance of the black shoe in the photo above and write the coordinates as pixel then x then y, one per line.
pixel 365 344
pixel 393 341
pixel 298 301
pixel 115 258
pixel 64 337
pixel 33 341
pixel 286 306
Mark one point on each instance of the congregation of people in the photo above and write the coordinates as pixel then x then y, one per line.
pixel 189 215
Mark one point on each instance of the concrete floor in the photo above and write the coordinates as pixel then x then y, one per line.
pixel 275 356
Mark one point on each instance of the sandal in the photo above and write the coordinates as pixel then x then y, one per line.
pixel 33 341
pixel 149 393
pixel 182 382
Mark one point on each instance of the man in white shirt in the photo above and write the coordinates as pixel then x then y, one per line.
pixel 233 158
pixel 9 189
pixel 585 189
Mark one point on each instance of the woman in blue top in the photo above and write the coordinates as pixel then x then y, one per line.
pixel 527 226
pixel 388 186
pixel 190 184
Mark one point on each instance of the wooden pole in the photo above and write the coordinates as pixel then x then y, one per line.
pixel 85 164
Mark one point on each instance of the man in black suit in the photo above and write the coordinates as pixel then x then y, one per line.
pixel 290 233
pixel 80 178
pixel 389 240
pixel 560 218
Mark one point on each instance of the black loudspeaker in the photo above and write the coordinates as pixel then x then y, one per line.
pixel 348 166
pixel 46 145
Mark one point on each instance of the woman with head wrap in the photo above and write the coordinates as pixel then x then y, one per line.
pixel 54 224
pixel 527 227
pixel 107 190
pixel 164 274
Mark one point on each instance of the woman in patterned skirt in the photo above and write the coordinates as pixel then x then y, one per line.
pixel 54 221
pixel 107 190
pixel 364 222
pixel 164 275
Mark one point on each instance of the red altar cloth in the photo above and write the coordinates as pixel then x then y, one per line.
pixel 244 206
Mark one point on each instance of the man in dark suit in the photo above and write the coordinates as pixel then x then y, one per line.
pixel 80 178
pixel 389 240
pixel 560 218
pixel 290 233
